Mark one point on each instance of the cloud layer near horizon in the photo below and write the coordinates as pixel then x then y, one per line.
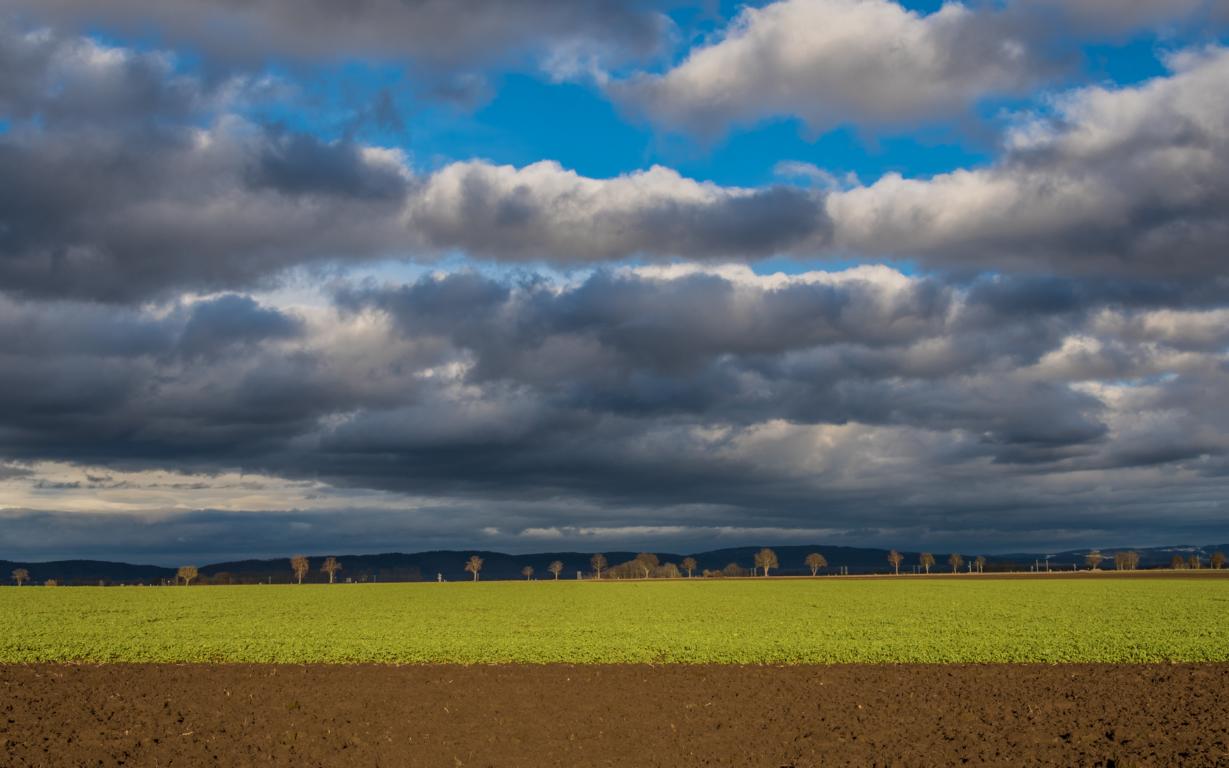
pixel 884 403
pixel 226 325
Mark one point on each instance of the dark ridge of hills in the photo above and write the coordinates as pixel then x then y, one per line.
pixel 450 564
pixel 1149 557
pixel 87 572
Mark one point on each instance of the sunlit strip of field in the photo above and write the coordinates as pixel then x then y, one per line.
pixel 824 620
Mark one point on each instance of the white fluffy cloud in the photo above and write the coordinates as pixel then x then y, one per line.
pixel 545 211
pixel 833 62
pixel 1126 181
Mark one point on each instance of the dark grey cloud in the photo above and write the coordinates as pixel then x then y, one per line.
pixel 137 190
pixel 115 200
pixel 232 321
pixel 430 32
pixel 298 165
pixel 70 81
pixel 1113 18
pixel 756 398
pixel 105 218
pixel 125 181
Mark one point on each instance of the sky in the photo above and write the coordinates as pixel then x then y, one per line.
pixel 529 275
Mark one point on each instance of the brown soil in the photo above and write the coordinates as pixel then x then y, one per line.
pixel 199 715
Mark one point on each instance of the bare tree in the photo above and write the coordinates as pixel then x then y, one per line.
pixel 1177 562
pixel 927 561
pixel 1132 560
pixel 1094 559
pixel 733 569
pixel 527 572
pixel 895 559
pixel 331 567
pixel 1217 560
pixel 766 559
pixel 689 565
pixel 646 562
pixel 51 583
pixel 300 565
pixel 186 574
pixel 598 562
pixel 815 561
pixel 1194 562
pixel 473 565
pixel 555 568
pixel 955 561
pixel 980 563
pixel 21 576
pixel 1120 561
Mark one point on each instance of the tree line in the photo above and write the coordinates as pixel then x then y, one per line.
pixel 647 565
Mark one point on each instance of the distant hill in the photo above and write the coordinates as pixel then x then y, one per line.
pixel 450 564
pixel 1149 557
pixel 88 572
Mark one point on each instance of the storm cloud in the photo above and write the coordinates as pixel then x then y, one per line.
pixel 703 397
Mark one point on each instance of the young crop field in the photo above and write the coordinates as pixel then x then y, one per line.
pixel 825 620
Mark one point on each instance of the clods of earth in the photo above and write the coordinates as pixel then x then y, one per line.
pixel 613 715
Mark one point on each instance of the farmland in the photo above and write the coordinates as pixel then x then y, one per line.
pixel 793 621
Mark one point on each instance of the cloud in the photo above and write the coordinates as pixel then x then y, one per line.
pixel 97 205
pixel 543 211
pixel 837 62
pixel 1126 181
pixel 103 217
pixel 1113 17
pixel 124 179
pixel 867 402
pixel 429 32
pixel 470 384
pixel 877 64
pixel 234 321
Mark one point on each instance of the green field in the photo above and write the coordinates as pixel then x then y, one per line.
pixel 825 620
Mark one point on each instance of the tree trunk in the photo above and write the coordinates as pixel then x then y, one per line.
pixel 475 575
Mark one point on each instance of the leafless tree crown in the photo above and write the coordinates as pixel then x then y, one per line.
pixel 473 565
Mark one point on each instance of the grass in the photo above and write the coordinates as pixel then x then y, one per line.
pixel 825 620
